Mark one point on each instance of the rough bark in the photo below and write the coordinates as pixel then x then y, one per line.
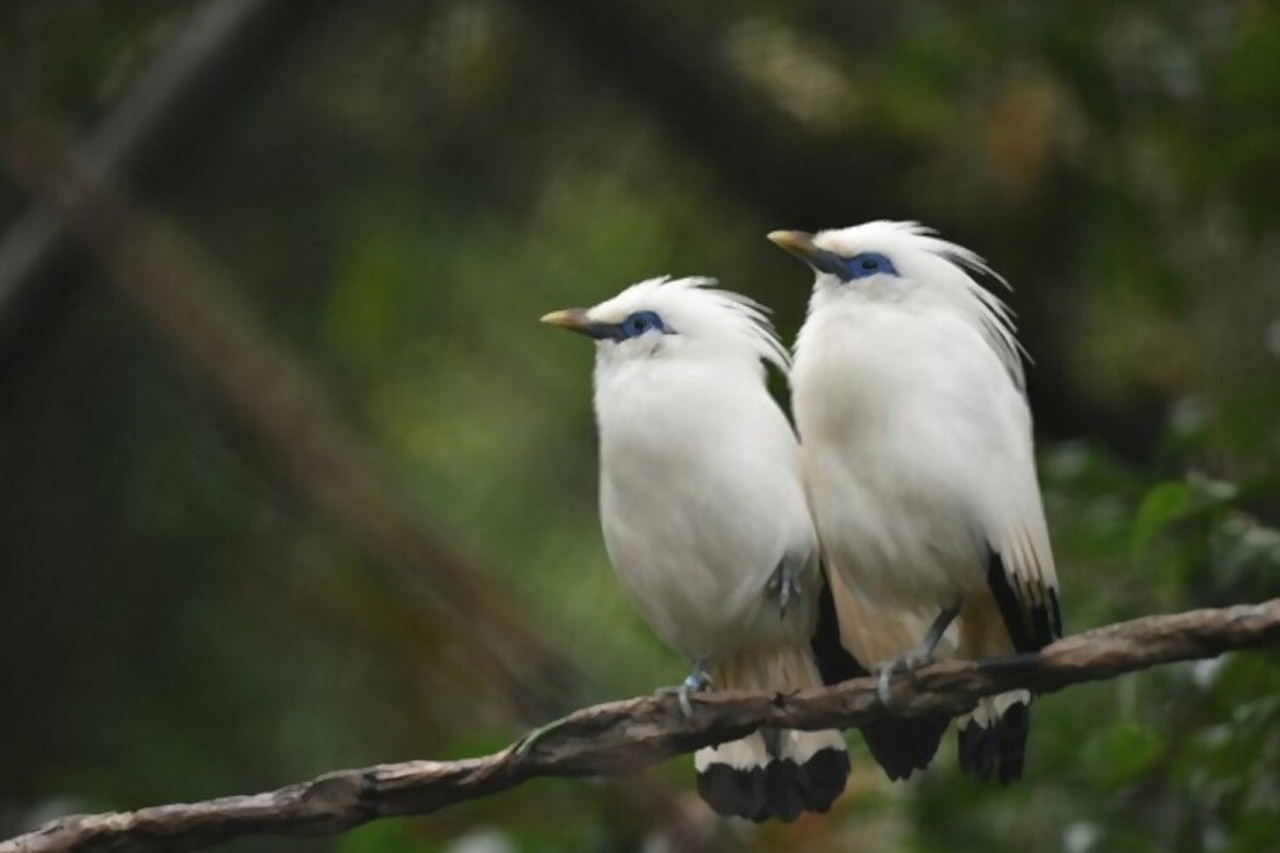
pixel 624 736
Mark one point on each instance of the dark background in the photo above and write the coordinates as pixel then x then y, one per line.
pixel 362 527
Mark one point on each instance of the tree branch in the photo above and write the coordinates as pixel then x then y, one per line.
pixel 222 47
pixel 623 736
pixel 194 306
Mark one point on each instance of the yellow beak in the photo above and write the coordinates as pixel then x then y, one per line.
pixel 573 319
pixel 798 243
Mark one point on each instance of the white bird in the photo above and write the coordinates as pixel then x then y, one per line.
pixel 706 523
pixel 907 391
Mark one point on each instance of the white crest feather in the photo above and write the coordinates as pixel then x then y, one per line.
pixel 695 307
pixel 952 282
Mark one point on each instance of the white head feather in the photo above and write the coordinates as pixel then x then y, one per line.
pixel 930 270
pixel 697 317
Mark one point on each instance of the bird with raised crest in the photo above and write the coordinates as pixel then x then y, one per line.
pixel 908 397
pixel 706 524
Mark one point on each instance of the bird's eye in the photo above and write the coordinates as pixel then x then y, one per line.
pixel 639 323
pixel 867 264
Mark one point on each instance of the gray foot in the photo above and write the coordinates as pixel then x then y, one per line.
pixel 783 584
pixel 903 663
pixel 917 657
pixel 694 682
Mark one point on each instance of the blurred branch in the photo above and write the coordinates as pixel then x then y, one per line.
pixel 619 737
pixel 192 304
pixel 222 46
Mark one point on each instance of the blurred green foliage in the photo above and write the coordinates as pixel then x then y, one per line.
pixel 414 184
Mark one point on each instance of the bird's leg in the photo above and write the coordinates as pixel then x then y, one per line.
pixel 918 656
pixel 694 682
pixel 784 585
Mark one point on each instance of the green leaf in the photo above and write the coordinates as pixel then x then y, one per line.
pixel 1162 505
pixel 1126 750
pixel 1166 503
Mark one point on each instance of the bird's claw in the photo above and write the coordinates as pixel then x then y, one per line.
pixel 784 585
pixel 903 663
pixel 694 682
pixel 882 685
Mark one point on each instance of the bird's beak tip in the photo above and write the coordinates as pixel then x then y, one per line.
pixel 797 242
pixel 569 318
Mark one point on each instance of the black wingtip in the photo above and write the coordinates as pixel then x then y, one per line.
pixel 998 749
pixel 780 790
pixel 1037 626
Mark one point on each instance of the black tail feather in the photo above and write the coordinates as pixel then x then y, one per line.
pixel 822 779
pixel 724 789
pixel 780 790
pixel 902 745
pixel 997 749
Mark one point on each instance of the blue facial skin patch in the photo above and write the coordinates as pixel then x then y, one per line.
pixel 861 265
pixel 639 323
pixel 636 324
